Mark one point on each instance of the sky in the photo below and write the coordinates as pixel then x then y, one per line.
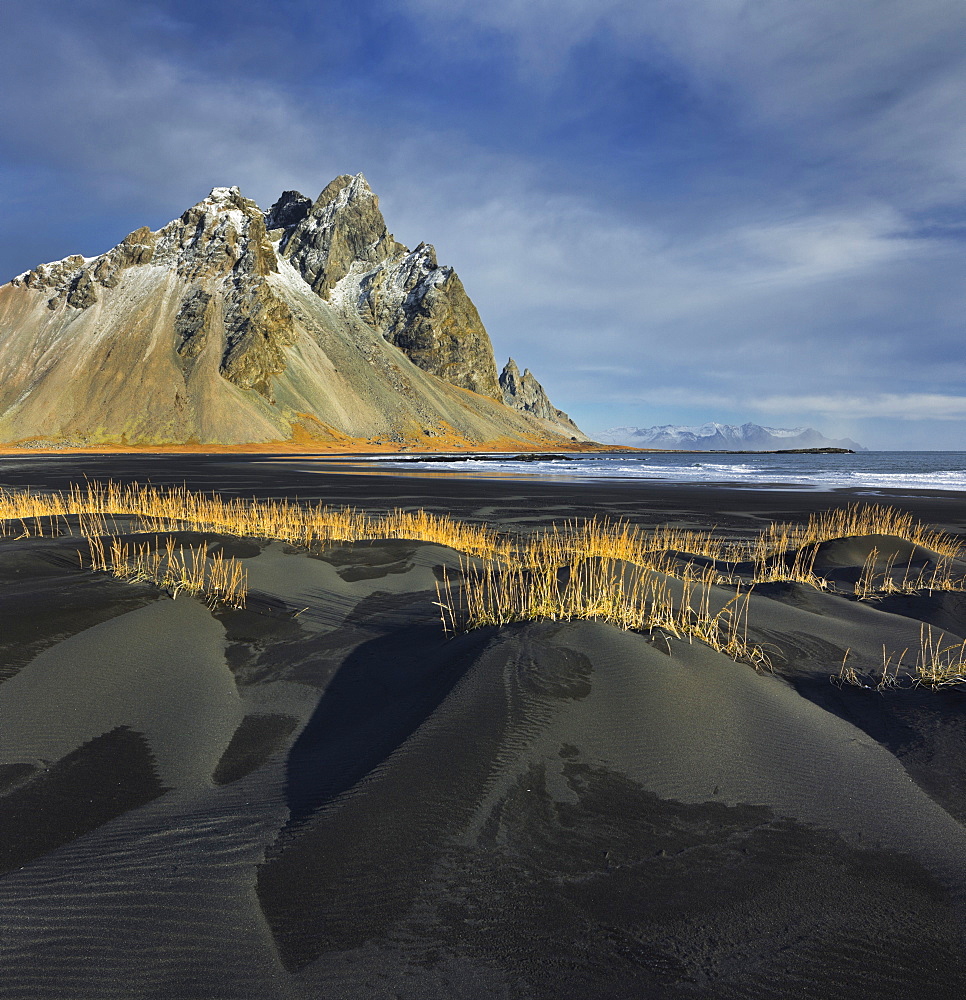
pixel 671 211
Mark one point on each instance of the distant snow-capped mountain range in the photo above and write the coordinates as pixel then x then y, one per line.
pixel 715 437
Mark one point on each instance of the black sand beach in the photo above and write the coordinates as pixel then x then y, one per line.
pixel 323 795
pixel 358 483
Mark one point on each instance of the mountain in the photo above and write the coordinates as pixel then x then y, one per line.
pixel 714 437
pixel 231 326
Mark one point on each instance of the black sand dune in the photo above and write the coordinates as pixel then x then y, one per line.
pixel 324 796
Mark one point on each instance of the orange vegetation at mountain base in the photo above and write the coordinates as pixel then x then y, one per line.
pixel 302 442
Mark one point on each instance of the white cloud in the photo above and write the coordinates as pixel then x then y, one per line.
pixel 827 245
pixel 562 254
pixel 604 307
pixel 888 405
pixel 127 123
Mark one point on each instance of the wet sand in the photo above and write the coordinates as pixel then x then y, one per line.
pixel 324 796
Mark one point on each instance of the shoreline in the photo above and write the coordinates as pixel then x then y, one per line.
pixel 477 497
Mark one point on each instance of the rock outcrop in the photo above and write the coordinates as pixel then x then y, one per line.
pixel 343 227
pixel 230 325
pixel 526 394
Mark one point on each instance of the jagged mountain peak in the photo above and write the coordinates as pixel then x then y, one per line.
pixel 223 233
pixel 342 248
pixel 511 371
pixel 511 375
pixel 223 201
pixel 222 194
pixel 344 226
pixel 344 189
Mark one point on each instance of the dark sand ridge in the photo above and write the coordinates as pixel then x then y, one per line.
pixel 345 803
pixel 173 878
pixel 159 670
pixel 587 837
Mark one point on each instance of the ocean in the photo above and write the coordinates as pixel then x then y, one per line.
pixel 867 471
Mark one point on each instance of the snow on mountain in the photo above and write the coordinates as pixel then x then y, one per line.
pixel 722 437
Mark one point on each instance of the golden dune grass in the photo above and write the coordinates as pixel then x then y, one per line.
pixel 776 553
pixel 797 566
pixel 936 665
pixel 874 583
pixel 853 521
pixel 599 569
pixel 198 572
pixel 176 509
pixel 601 589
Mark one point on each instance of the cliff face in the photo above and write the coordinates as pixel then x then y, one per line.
pixel 342 248
pixel 342 227
pixel 222 237
pixel 526 394
pixel 230 325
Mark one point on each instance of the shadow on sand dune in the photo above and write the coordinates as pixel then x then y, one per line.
pixel 502 836
pixel 386 689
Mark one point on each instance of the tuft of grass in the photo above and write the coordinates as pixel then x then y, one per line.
pixel 601 589
pixel 874 584
pixel 797 566
pixel 213 575
pixel 855 520
pixel 937 665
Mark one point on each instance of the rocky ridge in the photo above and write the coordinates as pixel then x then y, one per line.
pixel 232 325
pixel 525 393
pixel 342 248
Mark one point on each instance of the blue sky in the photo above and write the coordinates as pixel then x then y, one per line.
pixel 672 211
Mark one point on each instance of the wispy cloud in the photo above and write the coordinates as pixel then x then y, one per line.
pixel 870 80
pixel 889 405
